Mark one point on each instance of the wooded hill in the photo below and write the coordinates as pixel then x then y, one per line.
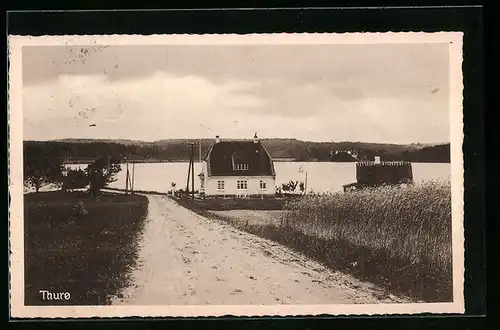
pixel 172 150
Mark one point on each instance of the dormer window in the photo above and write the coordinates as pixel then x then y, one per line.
pixel 241 166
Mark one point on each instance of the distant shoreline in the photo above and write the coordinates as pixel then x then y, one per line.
pixel 154 161
pixel 169 151
pixel 130 161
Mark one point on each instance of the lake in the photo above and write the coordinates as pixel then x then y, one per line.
pixel 321 176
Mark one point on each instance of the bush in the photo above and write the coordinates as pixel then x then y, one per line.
pixel 102 172
pixel 79 209
pixel 75 179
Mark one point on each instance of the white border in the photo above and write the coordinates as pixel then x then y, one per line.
pixel 16 177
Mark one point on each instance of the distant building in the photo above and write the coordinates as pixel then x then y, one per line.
pixel 378 173
pixel 343 156
pixel 238 168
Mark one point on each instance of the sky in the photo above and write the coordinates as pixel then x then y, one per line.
pixel 385 93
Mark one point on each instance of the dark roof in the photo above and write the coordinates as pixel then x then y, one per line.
pixel 220 157
pixel 384 172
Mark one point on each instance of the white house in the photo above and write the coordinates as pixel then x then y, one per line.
pixel 238 168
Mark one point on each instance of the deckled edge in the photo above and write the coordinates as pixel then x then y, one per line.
pixel 9 198
pixel 73 310
pixel 461 129
pixel 242 38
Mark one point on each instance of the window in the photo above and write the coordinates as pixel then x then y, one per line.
pixel 220 185
pixel 242 184
pixel 241 166
pixel 263 185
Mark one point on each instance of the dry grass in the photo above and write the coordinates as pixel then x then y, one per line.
pixel 233 203
pixel 242 218
pixel 399 238
pixel 412 224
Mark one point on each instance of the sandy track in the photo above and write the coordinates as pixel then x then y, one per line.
pixel 187 259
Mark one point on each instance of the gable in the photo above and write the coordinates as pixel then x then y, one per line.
pixel 223 159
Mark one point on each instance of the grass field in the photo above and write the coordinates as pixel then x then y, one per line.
pixel 226 204
pixel 88 255
pixel 248 218
pixel 397 238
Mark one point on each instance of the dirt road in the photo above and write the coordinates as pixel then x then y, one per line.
pixel 188 259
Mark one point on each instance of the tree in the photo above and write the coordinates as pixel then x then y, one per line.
pixel 41 169
pixel 75 179
pixel 102 172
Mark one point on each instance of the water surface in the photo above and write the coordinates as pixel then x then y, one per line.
pixel 321 176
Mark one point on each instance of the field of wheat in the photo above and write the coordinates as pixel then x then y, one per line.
pixel 400 237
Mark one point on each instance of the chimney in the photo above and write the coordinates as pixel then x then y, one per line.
pixel 217 139
pixel 377 159
pixel 255 138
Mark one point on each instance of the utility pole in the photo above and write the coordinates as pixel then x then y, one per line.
pixel 189 173
pixel 199 149
pixel 305 185
pixel 133 176
pixel 208 128
pixel 192 171
pixel 127 180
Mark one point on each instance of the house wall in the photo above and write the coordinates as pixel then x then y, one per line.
pixel 231 188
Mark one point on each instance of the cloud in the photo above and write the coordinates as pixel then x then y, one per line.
pixel 165 106
pixel 155 108
pixel 378 93
pixel 301 63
